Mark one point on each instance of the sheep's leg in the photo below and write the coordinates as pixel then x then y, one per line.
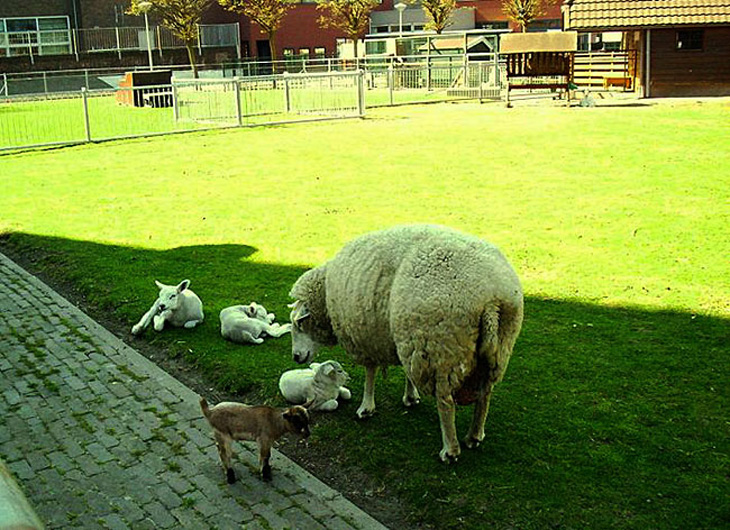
pixel 481 409
pixel 146 318
pixel 159 320
pixel 411 396
pixel 327 406
pixel 367 407
pixel 275 330
pixel 447 416
pixel 344 393
pixel 190 324
pixel 264 456
pixel 224 451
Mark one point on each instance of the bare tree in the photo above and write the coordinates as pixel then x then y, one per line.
pixel 268 14
pixel 439 13
pixel 523 12
pixel 352 17
pixel 182 17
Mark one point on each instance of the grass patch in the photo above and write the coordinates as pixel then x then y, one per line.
pixel 614 410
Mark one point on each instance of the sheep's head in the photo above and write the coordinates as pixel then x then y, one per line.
pixel 332 372
pixel 304 346
pixel 311 328
pixel 257 311
pixel 169 297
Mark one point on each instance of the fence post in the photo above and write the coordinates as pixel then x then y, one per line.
pixel 86 78
pixel 287 98
pixel 237 92
pixel 87 124
pixel 361 93
pixel 119 48
pixel 175 103
pixel 5 84
pixel 390 83
pixel 45 82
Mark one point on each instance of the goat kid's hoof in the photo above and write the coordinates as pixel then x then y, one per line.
pixel 266 473
pixel 231 476
pixel 136 329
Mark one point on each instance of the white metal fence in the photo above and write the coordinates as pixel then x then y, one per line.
pixel 107 113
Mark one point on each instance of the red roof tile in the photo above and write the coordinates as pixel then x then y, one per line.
pixel 595 14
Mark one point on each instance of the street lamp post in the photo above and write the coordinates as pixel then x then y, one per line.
pixel 400 6
pixel 145 7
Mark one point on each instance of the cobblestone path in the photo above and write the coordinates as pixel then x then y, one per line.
pixel 100 437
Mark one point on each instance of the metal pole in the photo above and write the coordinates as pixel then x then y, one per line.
pixel 147 38
pixel 87 125
pixel 361 93
pixel 175 103
pixel 5 84
pixel 119 48
pixel 237 92
pixel 390 83
pixel 287 99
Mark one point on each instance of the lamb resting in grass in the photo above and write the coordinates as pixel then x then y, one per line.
pixel 317 387
pixel 445 305
pixel 249 324
pixel 175 304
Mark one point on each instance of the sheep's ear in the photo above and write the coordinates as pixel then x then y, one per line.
pixel 183 285
pixel 160 285
pixel 328 369
pixel 300 310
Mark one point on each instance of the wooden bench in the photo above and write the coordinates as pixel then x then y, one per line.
pixel 623 82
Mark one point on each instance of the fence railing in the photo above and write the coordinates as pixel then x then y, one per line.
pixel 96 114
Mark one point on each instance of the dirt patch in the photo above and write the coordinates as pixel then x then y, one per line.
pixel 363 490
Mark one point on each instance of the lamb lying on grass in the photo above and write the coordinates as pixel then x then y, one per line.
pixel 175 304
pixel 317 387
pixel 446 306
pixel 249 324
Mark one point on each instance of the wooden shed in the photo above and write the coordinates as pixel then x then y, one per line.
pixel 682 46
pixel 539 61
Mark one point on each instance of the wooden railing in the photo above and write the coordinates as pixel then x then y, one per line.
pixel 604 70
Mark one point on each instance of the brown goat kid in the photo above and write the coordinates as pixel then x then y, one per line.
pixel 260 423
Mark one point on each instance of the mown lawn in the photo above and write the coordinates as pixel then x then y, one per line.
pixel 614 411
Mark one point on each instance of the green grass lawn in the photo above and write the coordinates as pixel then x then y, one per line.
pixel 614 411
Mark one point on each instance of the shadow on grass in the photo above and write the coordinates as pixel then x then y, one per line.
pixel 608 417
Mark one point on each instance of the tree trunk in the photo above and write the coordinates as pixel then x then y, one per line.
pixel 272 47
pixel 354 48
pixel 191 57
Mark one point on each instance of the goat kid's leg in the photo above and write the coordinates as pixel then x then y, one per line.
pixel 447 416
pixel 224 451
pixel 411 396
pixel 264 456
pixel 367 407
pixel 481 409
pixel 190 324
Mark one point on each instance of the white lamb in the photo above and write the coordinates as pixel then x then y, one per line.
pixel 445 305
pixel 317 387
pixel 249 324
pixel 175 304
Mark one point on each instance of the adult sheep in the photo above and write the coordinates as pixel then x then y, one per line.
pixel 445 305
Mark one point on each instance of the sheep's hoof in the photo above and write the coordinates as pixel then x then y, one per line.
pixel 411 401
pixel 364 414
pixel 231 476
pixel 471 442
pixel 447 457
pixel 136 329
pixel 266 472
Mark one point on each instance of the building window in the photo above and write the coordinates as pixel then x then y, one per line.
pixel 320 52
pixel 498 24
pixel 375 47
pixel 36 35
pixel 690 39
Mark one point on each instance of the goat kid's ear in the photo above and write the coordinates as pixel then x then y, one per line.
pixel 183 285
pixel 328 369
pixel 160 285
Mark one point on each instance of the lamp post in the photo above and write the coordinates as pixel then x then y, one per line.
pixel 145 7
pixel 400 6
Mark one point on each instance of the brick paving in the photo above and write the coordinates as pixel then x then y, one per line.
pixel 100 437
